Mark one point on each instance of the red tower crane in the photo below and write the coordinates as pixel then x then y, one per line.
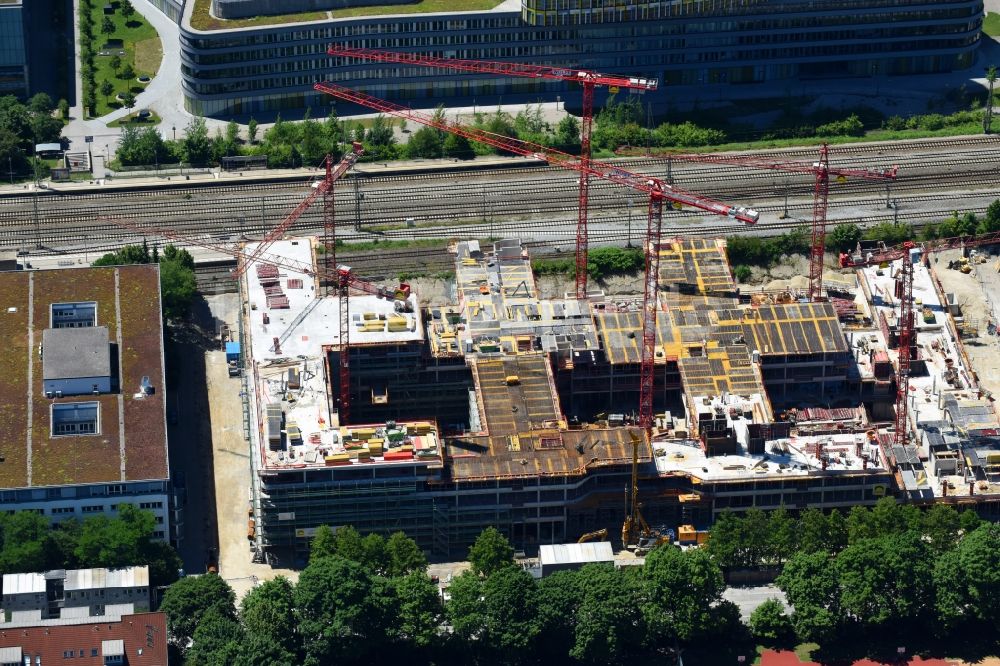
pixel 589 80
pixel 341 277
pixel 658 191
pixel 821 194
pixel 904 292
pixel 322 188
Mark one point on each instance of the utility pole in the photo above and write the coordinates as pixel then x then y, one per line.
pixel 10 167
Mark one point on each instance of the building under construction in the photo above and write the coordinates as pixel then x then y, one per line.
pixel 510 410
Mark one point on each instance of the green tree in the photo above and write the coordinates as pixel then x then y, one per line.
pixel 725 543
pixel 510 613
pixel 783 535
pixel 609 622
pixel 41 104
pixel 844 237
pixel 941 526
pixel 810 586
pixel 991 223
pixel 812 532
pixel 188 600
pixel 216 640
pixel 349 544
pixel 63 109
pixel 380 133
pixel 420 609
pixel 323 544
pixel 769 623
pixel 106 89
pixel 374 556
pixel 261 650
pixel 340 609
pixel 681 589
pixel 465 608
pixel 106 542
pixel 268 611
pixel 404 556
pixel 252 131
pixel 742 273
pixel 25 547
pixel 178 286
pixel 107 26
pixel 871 589
pixel 128 72
pixel 128 99
pixel 116 63
pixel 860 525
pixel 458 147
pixel 567 136
pixel 425 142
pixel 967 578
pixel 969 520
pixel 559 598
pixel 491 552
pixel 127 10
pixel 196 145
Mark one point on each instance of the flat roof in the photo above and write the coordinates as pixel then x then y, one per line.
pixel 787 457
pixel 198 14
pixel 23 583
pixel 575 553
pixel 132 443
pixel 69 353
pixel 99 577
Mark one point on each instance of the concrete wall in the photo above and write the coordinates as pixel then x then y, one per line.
pixel 231 9
pixel 172 9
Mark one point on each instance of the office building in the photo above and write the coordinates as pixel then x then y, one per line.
pixel 705 50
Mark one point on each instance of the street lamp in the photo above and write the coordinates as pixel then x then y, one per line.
pixel 174 129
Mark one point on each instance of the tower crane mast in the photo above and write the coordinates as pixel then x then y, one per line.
pixel 658 192
pixel 587 79
pixel 821 194
pixel 322 188
pixel 904 292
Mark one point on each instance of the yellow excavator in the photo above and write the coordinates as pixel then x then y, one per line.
pixel 599 535
pixel 648 538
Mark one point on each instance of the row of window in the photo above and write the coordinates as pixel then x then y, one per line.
pixel 71 492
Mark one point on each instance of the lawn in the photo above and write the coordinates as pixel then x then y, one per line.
pixel 201 19
pixel 133 119
pixel 991 24
pixel 142 48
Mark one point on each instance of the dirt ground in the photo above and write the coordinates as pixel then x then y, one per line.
pixel 977 294
pixel 231 462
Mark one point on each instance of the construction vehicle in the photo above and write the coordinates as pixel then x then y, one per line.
pixel 648 538
pixel 599 535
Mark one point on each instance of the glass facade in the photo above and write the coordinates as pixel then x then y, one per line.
pixel 685 45
pixel 13 58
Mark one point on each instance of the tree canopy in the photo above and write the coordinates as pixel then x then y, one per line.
pixel 177 281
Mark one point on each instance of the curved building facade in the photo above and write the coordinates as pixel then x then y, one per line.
pixel 694 48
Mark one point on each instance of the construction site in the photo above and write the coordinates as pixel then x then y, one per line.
pixel 635 419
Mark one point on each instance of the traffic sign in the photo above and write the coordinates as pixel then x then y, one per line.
pixel 88 139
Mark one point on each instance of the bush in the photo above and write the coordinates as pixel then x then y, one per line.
pixel 769 623
pixel 850 126
pixel 742 273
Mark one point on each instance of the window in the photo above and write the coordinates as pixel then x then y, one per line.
pixel 93 508
pixel 74 315
pixel 116 489
pixel 93 652
pixel 62 509
pixel 75 418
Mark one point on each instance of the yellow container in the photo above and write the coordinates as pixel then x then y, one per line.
pixel 337 458
pixel 375 449
pixel 369 316
pixel 364 433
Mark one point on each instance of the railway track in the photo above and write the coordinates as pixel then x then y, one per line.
pixel 516 204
